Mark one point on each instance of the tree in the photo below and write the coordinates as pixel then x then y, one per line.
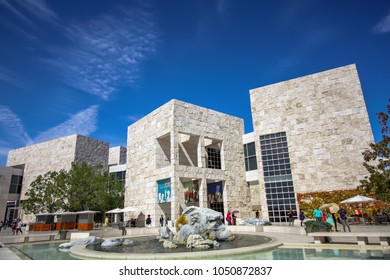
pixel 47 193
pixel 92 189
pixel 377 162
pixel 83 187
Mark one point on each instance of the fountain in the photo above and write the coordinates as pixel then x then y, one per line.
pixel 200 232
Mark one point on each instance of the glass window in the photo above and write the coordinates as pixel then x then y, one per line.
pixel 214 158
pixel 16 184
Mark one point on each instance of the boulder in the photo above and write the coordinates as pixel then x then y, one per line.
pixel 169 244
pixel 165 233
pixel 127 242
pixel 202 221
pixel 85 241
pixel 112 242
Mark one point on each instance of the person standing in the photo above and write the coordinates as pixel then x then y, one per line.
pixel 162 221
pixel 229 218
pixel 257 214
pixel 344 219
pixel 1 225
pixel 302 217
pixel 290 215
pixel 148 221
pixel 329 219
pixel 317 214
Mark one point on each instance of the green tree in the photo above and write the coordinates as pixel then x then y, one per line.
pixel 47 193
pixel 83 187
pixel 92 189
pixel 377 162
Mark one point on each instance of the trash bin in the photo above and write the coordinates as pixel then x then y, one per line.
pixel 63 234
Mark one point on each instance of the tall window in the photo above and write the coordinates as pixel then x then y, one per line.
pixel 16 184
pixel 279 187
pixel 120 175
pixel 250 156
pixel 213 158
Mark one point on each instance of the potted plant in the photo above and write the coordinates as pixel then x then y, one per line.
pixel 317 226
pixel 63 233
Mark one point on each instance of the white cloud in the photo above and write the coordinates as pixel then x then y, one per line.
pixel 384 25
pixel 11 78
pixel 107 52
pixel 83 123
pixel 15 136
pixel 39 9
pixel 12 126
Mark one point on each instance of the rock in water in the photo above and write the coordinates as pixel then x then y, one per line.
pixel 168 244
pixel 202 221
pixel 165 233
pixel 85 241
pixel 112 242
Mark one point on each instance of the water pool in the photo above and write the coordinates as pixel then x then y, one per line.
pixel 50 251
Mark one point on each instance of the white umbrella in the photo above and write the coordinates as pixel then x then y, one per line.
pixel 114 211
pixel 130 209
pixel 359 199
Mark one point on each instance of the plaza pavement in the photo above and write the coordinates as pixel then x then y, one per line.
pixel 289 236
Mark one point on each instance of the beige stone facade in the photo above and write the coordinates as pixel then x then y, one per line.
pixel 57 154
pixel 326 124
pixel 172 143
pixel 117 156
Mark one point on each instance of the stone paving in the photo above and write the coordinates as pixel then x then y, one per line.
pixel 279 236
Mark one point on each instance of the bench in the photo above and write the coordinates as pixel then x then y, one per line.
pixel 51 236
pixel 361 237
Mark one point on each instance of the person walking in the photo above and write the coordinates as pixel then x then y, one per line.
pixel 344 219
pixel 162 221
pixel 19 226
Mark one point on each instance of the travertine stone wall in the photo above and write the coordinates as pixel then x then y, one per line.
pixel 117 155
pixel 57 154
pixel 153 154
pixel 327 126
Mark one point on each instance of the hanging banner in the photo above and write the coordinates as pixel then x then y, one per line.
pixel 164 191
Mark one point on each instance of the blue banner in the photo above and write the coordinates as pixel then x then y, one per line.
pixel 164 191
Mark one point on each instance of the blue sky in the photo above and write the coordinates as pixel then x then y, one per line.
pixel 95 67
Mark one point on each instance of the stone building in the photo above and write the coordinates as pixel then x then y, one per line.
pixel 309 134
pixel 181 155
pixel 55 155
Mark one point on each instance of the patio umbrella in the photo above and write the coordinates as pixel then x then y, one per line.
pixel 359 199
pixel 333 207
pixel 130 209
pixel 114 211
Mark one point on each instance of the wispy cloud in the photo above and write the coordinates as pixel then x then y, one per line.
pixel 383 26
pixel 40 10
pixel 13 127
pixel 106 53
pixel 134 118
pixel 11 78
pixel 15 135
pixel 83 122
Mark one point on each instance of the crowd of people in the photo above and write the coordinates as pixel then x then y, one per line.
pixel 16 226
